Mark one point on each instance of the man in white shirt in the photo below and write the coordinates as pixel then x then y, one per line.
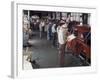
pixel 62 37
pixel 54 34
pixel 41 28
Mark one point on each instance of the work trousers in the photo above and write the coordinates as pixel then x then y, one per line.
pixel 62 54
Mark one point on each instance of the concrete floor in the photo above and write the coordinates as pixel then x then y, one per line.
pixel 46 56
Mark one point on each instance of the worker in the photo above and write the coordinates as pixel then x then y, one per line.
pixel 62 37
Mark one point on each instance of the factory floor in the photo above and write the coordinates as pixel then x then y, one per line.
pixel 45 55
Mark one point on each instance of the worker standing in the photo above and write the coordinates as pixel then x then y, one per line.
pixel 62 37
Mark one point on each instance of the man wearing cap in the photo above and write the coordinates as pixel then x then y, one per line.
pixel 62 37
